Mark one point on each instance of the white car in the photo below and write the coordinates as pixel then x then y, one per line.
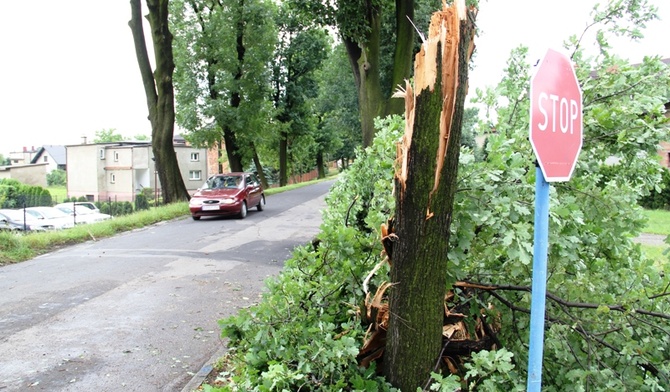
pixel 51 216
pixel 20 221
pixel 81 212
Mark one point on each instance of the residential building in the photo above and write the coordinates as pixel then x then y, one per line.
pixel 120 170
pixel 22 157
pixel 53 156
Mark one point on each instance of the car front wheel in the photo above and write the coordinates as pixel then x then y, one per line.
pixel 261 203
pixel 195 217
pixel 243 210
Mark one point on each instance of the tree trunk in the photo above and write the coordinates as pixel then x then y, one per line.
pixel 259 168
pixel 283 159
pixel 404 46
pixel 320 166
pixel 160 94
pixel 365 60
pixel 232 149
pixel 219 151
pixel 425 185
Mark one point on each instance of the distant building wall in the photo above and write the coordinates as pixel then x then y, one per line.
pixel 27 174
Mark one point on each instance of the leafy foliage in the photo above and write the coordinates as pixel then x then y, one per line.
pixel 306 331
pixel 141 202
pixel 57 177
pixel 339 127
pixel 222 77
pixel 107 136
pixel 659 197
pixel 14 194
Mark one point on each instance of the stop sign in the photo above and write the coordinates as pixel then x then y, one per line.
pixel 556 116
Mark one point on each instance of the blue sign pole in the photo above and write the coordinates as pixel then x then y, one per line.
pixel 539 283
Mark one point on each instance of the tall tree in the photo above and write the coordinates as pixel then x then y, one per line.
pixel 223 52
pixel 159 93
pixel 339 127
pixel 301 50
pixel 425 184
pixel 360 27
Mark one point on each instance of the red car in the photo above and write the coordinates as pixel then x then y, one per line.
pixel 228 194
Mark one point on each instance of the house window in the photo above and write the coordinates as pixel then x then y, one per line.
pixel 195 156
pixel 195 175
pixel 45 158
pixel 102 153
pixel 116 156
pixel 112 178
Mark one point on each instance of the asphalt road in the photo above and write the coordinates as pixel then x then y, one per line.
pixel 139 311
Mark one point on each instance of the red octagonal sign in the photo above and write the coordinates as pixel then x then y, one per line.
pixel 556 116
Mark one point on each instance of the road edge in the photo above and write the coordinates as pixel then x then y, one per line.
pixel 202 374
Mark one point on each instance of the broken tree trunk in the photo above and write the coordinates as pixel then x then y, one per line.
pixel 425 185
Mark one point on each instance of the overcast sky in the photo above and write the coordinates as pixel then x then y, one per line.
pixel 68 67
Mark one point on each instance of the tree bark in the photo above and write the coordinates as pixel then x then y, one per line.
pixel 259 167
pixel 425 184
pixel 402 58
pixel 283 158
pixel 320 165
pixel 365 60
pixel 159 92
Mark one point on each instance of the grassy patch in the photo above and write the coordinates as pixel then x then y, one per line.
pixel 656 253
pixel 16 247
pixel 659 222
pixel 58 193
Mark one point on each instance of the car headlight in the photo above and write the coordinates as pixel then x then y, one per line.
pixel 227 201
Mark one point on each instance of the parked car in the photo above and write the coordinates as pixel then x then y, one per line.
pixel 53 216
pixel 16 220
pixel 81 213
pixel 90 205
pixel 228 194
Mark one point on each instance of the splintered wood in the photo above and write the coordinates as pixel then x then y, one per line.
pixel 442 44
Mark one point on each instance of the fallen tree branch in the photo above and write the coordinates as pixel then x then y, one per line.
pixel 561 301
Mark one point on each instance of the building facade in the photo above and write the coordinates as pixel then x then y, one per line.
pixel 119 171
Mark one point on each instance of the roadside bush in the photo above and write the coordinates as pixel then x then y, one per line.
pixel 116 208
pixel 141 202
pixel 14 194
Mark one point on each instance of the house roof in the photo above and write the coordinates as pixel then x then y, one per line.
pixel 57 154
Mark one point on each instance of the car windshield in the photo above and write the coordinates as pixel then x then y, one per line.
pixel 50 213
pixel 80 210
pixel 221 182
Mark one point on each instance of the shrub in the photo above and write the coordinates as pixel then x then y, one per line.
pixel 57 177
pixel 14 194
pixel 141 202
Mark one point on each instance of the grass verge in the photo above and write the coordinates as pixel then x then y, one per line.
pixel 659 222
pixel 16 247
